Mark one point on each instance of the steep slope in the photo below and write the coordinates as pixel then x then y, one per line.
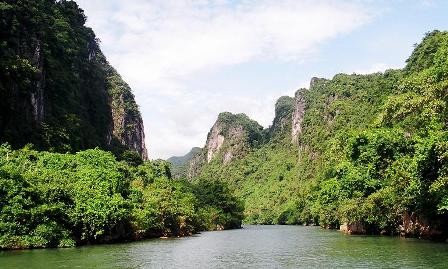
pixel 127 130
pixel 367 152
pixel 232 136
pixel 179 164
pixel 57 90
pixel 284 108
pixel 273 178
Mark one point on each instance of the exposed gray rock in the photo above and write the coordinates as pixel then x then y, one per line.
pixel 127 124
pixel 232 136
pixel 281 124
pixel 298 114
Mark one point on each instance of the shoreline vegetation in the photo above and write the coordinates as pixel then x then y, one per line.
pixel 62 200
pixel 366 154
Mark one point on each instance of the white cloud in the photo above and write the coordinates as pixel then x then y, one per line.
pixel 160 46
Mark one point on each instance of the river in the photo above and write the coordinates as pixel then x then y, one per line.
pixel 251 247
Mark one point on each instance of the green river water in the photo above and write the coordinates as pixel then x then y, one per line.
pixel 251 247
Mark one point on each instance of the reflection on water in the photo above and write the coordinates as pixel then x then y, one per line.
pixel 251 247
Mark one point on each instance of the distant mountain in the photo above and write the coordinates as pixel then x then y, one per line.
pixel 179 163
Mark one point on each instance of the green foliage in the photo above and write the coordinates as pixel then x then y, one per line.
pixel 261 178
pixel 394 165
pixel 131 157
pixel 282 121
pixel 179 164
pixel 284 106
pixel 57 90
pixel 425 53
pixel 61 200
pixel 373 150
pixel 219 208
pixel 78 197
pixel 252 128
pixel 167 207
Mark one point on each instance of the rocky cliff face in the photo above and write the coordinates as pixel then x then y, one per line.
pixel 299 109
pixel 232 135
pixel 414 225
pixel 57 90
pixel 234 138
pixel 37 97
pixel 127 125
pixel 215 140
pixel 282 120
pixel 297 115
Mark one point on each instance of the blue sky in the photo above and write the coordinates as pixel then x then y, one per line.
pixel 187 60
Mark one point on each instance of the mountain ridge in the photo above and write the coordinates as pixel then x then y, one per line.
pixel 347 149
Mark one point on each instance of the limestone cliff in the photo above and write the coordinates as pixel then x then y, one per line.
pixel 297 115
pixel 127 125
pixel 232 135
pixel 57 91
pixel 283 112
pixel 300 107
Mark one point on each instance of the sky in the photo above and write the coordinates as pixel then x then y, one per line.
pixel 188 60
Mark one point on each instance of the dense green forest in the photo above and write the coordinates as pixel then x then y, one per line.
pixel 370 152
pixel 61 200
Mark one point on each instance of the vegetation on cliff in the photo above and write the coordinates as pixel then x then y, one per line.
pixel 179 164
pixel 370 150
pixel 57 89
pixel 250 129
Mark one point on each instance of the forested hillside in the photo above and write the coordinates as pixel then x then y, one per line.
pixel 61 106
pixel 179 164
pixel 57 89
pixel 366 151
